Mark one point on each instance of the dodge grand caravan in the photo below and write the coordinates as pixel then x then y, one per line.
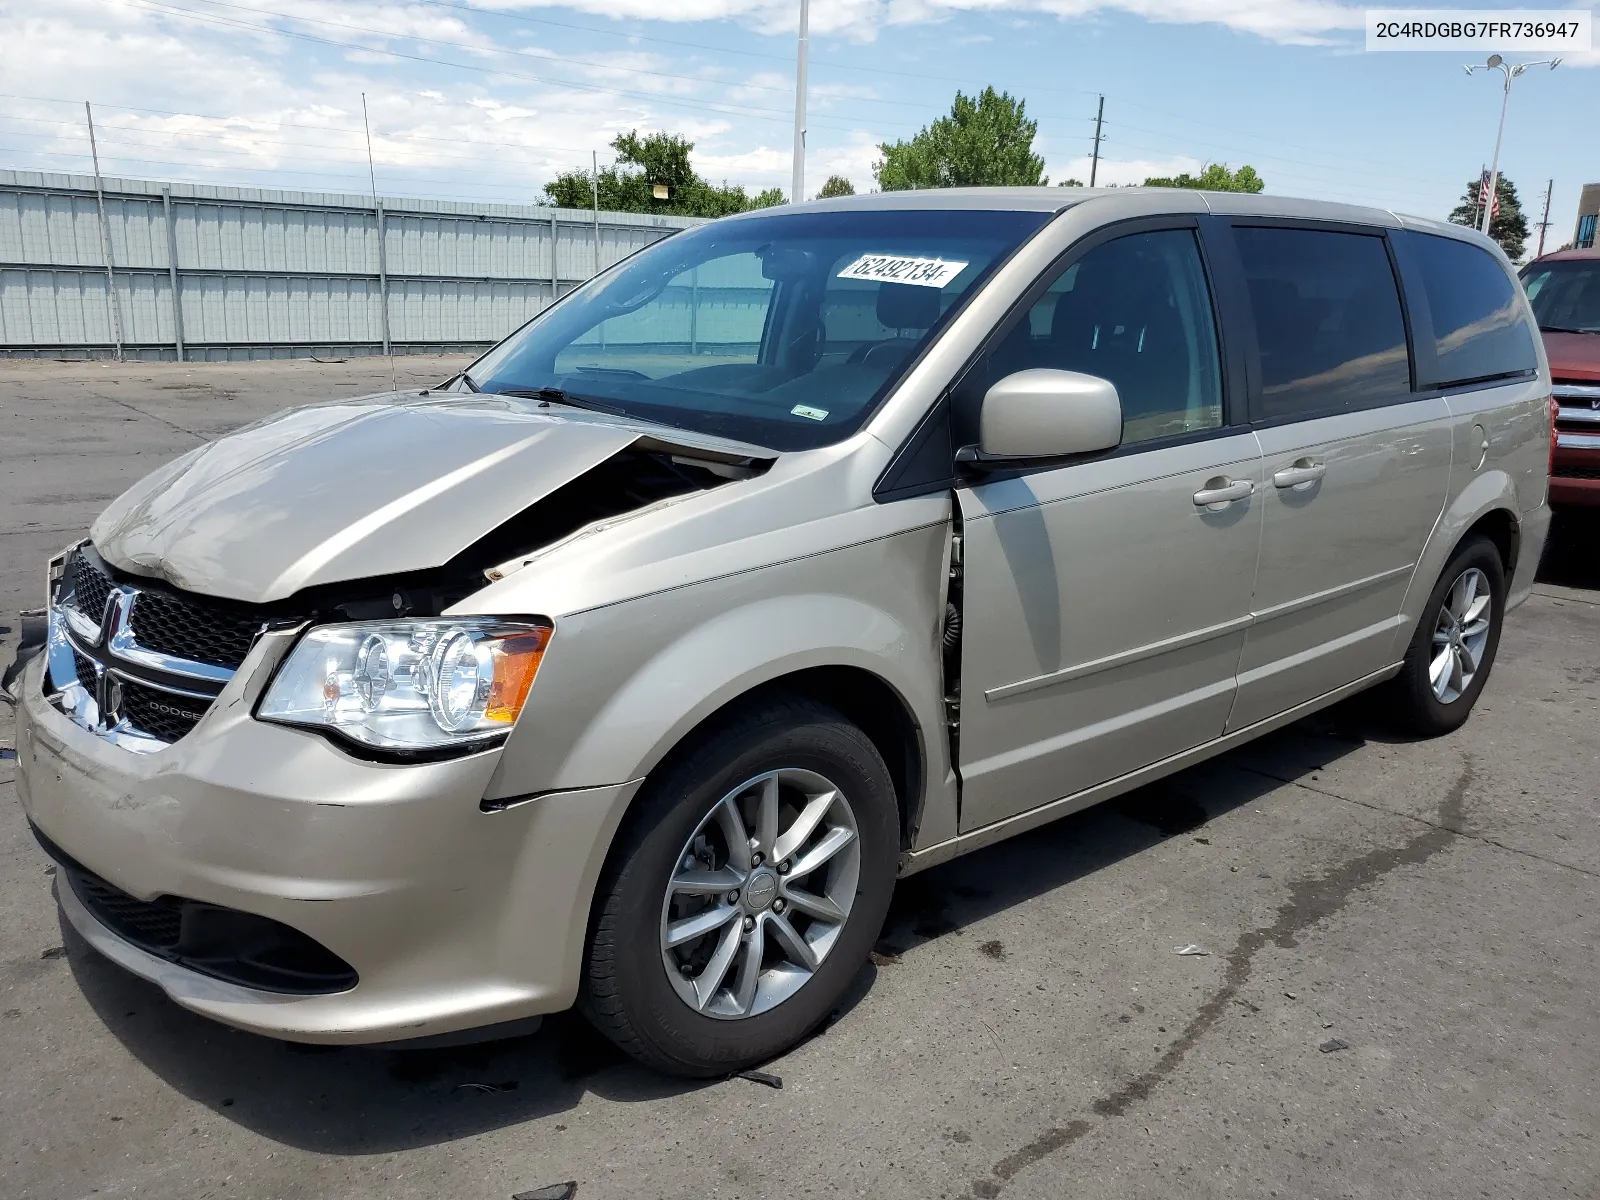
pixel 798 552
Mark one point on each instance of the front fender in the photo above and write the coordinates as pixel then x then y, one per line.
pixel 623 684
pixel 731 655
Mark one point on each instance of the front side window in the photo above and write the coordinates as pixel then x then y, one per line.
pixel 780 330
pixel 1565 294
pixel 1328 321
pixel 1136 311
pixel 1479 330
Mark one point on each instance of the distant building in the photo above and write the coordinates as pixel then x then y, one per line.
pixel 1588 216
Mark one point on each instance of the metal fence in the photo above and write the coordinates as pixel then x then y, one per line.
pixel 220 273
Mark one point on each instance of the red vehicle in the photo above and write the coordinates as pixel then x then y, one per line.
pixel 1565 290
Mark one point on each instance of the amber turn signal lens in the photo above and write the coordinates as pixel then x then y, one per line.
pixel 516 661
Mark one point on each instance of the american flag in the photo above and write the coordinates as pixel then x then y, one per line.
pixel 1493 194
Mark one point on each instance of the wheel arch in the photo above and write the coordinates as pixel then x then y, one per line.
pixel 863 698
pixel 1487 506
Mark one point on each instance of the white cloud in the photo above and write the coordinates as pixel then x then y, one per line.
pixel 1122 172
pixel 1288 21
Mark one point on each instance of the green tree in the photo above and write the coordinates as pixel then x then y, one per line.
pixel 1214 178
pixel 986 141
pixel 836 185
pixel 1070 183
pixel 643 164
pixel 1509 226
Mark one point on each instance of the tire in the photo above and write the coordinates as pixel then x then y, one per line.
pixel 1418 704
pixel 682 830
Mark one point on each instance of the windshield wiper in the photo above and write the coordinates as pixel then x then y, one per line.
pixel 555 395
pixel 1566 329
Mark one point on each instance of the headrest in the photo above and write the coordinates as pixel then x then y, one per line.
pixel 907 306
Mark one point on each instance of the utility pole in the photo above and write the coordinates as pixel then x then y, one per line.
pixel 1496 63
pixel 1545 221
pixel 1094 163
pixel 105 237
pixel 797 178
pixel 383 262
pixel 594 189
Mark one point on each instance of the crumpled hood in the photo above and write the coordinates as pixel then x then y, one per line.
pixel 378 486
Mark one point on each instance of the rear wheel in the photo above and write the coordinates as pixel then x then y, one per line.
pixel 1453 649
pixel 744 893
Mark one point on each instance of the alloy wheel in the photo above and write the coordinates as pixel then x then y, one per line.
pixel 1460 634
pixel 760 893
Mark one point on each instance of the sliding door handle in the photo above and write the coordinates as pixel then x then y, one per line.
pixel 1221 491
pixel 1304 471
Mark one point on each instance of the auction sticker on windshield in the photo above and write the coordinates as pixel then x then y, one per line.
pixel 897 268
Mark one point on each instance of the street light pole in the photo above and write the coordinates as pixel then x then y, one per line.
pixel 1496 63
pixel 797 179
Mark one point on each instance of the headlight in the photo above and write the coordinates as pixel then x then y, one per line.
pixel 409 685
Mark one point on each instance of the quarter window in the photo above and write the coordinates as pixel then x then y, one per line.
pixel 1479 328
pixel 1136 311
pixel 1328 322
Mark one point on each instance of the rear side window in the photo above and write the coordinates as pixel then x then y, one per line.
pixel 1328 321
pixel 1480 331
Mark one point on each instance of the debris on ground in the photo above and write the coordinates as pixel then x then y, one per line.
pixel 1291 995
pixel 556 1191
pixel 510 1085
pixel 771 1081
pixel 54 952
pixel 1193 949
pixel 1332 1044
pixel 883 958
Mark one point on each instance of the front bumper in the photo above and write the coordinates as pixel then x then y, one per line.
pixel 452 917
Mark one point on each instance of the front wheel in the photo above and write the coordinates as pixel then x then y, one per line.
pixel 1448 661
pixel 745 892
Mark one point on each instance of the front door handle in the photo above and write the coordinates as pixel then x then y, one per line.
pixel 1222 491
pixel 1304 471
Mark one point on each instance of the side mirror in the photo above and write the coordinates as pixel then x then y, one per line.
pixel 1042 414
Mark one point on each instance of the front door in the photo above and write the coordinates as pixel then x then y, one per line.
pixel 1105 602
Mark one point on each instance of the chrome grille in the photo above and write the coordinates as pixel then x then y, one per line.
pixel 150 660
pixel 194 630
pixel 90 585
pixel 160 714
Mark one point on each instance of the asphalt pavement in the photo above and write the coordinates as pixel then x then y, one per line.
pixel 1398 995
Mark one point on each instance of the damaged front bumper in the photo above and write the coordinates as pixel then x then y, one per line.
pixel 448 917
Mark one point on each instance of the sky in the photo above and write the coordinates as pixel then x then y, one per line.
pixel 488 99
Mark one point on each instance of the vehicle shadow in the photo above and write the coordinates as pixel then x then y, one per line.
pixel 358 1100
pixel 1572 551
pixel 946 899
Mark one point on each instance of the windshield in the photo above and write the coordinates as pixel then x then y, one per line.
pixel 1565 294
pixel 782 330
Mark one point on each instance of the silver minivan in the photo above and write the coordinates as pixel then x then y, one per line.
pixel 799 552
